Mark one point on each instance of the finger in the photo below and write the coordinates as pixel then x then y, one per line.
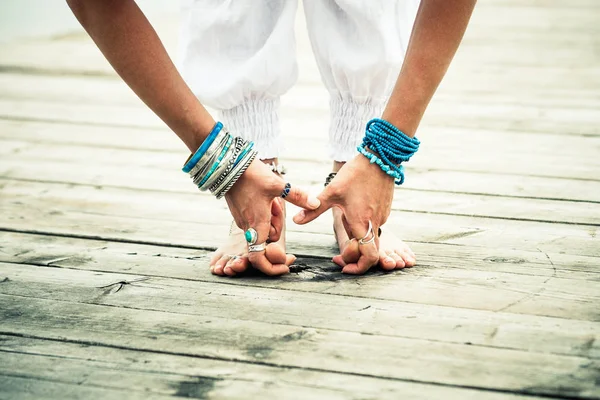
pixel 290 259
pixel 351 252
pixel 277 220
pixel 305 216
pixel 260 261
pixel 368 252
pixel 299 197
pixel 275 253
pixel 339 260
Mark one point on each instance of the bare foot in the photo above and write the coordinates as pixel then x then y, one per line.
pixel 231 258
pixel 393 252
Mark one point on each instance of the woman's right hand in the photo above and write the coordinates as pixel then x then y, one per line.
pixel 250 203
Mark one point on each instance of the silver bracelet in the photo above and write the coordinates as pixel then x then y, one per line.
pixel 240 146
pixel 223 165
pixel 235 174
pixel 210 160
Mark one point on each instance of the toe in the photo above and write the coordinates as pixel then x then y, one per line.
pixel 220 265
pixel 407 258
pixel 399 261
pixel 386 261
pixel 215 257
pixel 239 265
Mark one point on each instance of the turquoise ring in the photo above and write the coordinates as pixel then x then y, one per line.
pixel 251 236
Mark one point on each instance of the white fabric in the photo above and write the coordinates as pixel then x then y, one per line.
pixel 239 57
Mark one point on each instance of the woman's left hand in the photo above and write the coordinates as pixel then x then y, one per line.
pixel 364 193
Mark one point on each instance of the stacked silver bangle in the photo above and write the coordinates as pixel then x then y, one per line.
pixel 222 162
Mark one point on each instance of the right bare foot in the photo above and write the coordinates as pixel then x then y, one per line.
pixel 232 258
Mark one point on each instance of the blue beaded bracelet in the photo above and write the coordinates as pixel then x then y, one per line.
pixel 398 175
pixel 202 149
pixel 391 145
pixel 217 161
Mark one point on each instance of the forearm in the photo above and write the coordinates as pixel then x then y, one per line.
pixel 130 44
pixel 438 30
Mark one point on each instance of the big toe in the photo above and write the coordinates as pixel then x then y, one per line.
pixel 236 265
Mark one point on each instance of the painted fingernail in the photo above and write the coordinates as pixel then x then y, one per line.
pixel 314 202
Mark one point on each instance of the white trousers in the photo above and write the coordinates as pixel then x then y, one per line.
pixel 238 56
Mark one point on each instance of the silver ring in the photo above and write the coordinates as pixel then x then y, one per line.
pixel 257 248
pixel 251 236
pixel 369 236
pixel 233 256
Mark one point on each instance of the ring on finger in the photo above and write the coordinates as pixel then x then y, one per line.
pixel 369 236
pixel 286 190
pixel 257 248
pixel 251 236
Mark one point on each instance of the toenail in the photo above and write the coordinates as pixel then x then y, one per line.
pixel 389 259
pixel 227 270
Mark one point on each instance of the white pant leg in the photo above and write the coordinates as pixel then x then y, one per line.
pixel 359 47
pixel 239 57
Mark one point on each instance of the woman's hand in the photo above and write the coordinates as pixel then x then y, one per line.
pixel 364 193
pixel 250 201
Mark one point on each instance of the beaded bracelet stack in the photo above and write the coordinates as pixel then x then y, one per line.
pixel 220 161
pixel 387 146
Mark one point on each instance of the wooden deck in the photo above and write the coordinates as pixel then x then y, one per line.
pixel 104 285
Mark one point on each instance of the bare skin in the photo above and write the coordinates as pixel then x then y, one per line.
pixel 131 45
pixel 393 252
pixel 231 258
pixel 437 32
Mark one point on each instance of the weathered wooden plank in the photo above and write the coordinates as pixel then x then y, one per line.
pixel 158 217
pixel 28 387
pixel 187 262
pixel 291 346
pixel 473 115
pixel 407 200
pixel 196 377
pixel 443 150
pixel 314 309
pixel 97 173
pixel 77 89
pixel 524 288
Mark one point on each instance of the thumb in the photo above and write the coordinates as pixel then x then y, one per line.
pixel 305 216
